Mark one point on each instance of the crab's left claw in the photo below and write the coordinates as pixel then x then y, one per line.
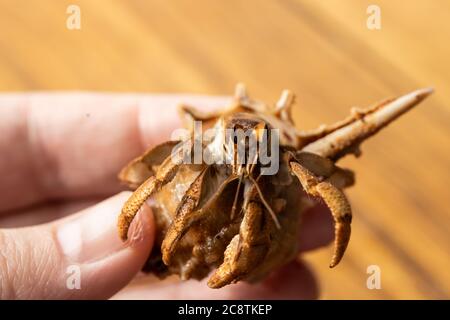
pixel 335 200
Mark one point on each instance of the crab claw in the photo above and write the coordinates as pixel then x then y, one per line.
pixel 343 138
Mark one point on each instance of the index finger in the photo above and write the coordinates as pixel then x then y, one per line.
pixel 72 145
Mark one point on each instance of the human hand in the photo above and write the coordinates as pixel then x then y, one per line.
pixel 60 154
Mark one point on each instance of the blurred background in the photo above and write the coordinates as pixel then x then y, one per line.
pixel 321 50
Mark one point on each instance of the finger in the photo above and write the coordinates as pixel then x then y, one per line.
pixel 293 281
pixel 316 228
pixel 45 212
pixel 73 145
pixel 79 257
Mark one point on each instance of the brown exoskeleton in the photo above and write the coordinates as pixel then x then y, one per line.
pixel 233 217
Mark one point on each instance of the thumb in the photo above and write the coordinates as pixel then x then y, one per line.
pixel 78 257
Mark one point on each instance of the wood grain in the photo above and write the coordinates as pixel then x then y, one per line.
pixel 321 50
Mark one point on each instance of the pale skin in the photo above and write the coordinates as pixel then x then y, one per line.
pixel 60 155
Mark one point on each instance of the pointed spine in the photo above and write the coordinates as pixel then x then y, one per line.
pixel 366 123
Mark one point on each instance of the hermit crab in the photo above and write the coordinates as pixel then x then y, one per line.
pixel 230 201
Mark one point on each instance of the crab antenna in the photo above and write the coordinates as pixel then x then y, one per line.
pixel 365 123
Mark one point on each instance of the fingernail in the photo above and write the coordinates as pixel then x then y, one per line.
pixel 92 234
pixel 140 227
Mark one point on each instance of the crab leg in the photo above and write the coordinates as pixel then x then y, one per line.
pixel 153 184
pixel 335 200
pixel 345 137
pixel 184 217
pixel 188 213
pixel 246 250
pixel 324 168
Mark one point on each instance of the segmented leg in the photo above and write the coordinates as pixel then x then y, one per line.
pixel 184 217
pixel 324 168
pixel 246 250
pixel 164 175
pixel 335 200
pixel 191 210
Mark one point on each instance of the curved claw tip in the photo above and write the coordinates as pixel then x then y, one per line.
pixel 335 261
pixel 123 226
pixel 123 234
pixel 333 264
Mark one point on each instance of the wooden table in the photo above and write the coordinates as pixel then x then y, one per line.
pixel 323 51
